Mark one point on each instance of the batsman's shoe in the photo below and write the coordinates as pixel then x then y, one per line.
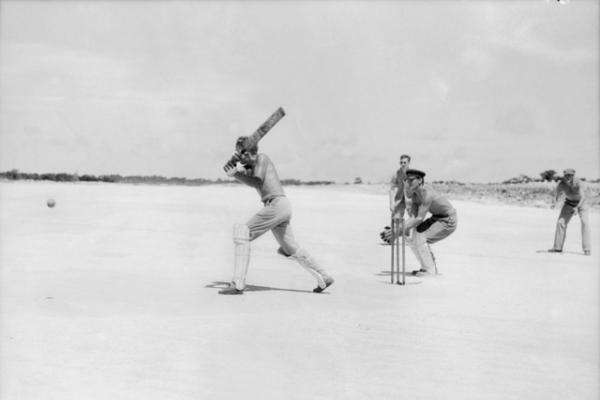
pixel 328 282
pixel 421 272
pixel 587 252
pixel 231 290
pixel 554 251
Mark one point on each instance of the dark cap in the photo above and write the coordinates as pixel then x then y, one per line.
pixel 415 172
pixel 244 143
pixel 569 171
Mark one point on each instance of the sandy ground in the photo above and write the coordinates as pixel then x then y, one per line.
pixel 112 294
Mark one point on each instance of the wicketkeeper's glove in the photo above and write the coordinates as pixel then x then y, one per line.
pixel 386 235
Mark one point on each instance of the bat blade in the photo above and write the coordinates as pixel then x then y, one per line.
pixel 258 134
pixel 265 127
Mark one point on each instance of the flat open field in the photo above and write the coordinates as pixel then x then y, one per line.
pixel 112 294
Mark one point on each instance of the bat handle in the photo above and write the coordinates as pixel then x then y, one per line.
pixel 232 161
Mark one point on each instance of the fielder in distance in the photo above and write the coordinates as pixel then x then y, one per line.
pixel 576 201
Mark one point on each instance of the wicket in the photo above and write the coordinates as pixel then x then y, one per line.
pixel 397 231
pixel 397 225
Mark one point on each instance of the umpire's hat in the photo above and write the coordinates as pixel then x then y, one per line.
pixel 569 171
pixel 415 172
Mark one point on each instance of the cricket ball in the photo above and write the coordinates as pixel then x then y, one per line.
pixel 51 203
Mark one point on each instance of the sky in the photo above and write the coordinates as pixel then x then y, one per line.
pixel 476 91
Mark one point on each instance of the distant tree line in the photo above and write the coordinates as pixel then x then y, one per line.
pixel 548 175
pixel 14 174
pixel 113 178
pixel 291 182
pixel 448 183
pixel 545 176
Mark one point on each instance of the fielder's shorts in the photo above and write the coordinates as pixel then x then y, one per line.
pixel 436 228
pixel 275 216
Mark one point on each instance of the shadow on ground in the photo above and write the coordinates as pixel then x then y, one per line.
pixel 256 288
pixel 578 253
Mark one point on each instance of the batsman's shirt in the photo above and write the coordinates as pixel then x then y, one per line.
pixel 425 199
pixel 268 184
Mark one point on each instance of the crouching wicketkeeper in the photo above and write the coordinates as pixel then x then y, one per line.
pixel 258 171
pixel 438 226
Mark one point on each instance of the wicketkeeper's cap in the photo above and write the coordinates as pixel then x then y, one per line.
pixel 569 171
pixel 415 172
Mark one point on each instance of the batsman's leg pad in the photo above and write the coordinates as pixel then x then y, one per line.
pixel 418 244
pixel 309 263
pixel 241 241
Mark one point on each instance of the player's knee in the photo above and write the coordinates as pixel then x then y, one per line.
pixel 241 233
pixel 418 237
pixel 299 253
pixel 433 239
pixel 287 250
pixel 282 252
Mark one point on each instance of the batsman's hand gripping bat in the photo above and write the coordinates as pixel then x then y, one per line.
pixel 262 130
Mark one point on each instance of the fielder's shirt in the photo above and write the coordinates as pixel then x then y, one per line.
pixel 398 182
pixel 573 192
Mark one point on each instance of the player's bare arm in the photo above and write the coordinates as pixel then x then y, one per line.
pixel 416 220
pixel 414 186
pixel 236 167
pixel 557 193
pixel 243 168
pixel 584 192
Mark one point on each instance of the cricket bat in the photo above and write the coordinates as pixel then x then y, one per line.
pixel 259 133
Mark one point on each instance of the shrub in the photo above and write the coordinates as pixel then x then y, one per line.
pixel 548 175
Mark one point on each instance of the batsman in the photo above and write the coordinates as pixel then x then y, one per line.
pixel 257 170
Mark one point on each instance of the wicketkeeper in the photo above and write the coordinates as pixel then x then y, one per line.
pixel 397 197
pixel 258 171
pixel 421 230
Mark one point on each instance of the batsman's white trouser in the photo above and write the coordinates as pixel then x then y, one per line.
pixel 241 240
pixel 275 216
pixel 418 244
pixel 311 265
